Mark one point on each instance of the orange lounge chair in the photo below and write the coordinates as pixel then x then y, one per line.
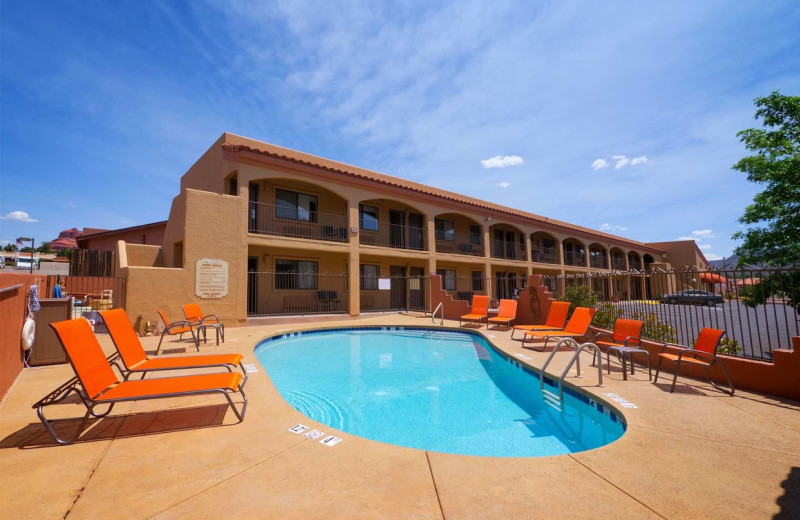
pixel 96 384
pixel 134 359
pixel 577 326
pixel 556 318
pixel 201 322
pixel 703 354
pixel 625 341
pixel 505 314
pixel 176 327
pixel 479 312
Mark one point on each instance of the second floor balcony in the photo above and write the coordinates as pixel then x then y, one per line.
pixel 269 219
pixel 458 243
pixel 508 250
pixel 598 261
pixel 394 235
pixel 618 263
pixel 544 255
pixel 575 258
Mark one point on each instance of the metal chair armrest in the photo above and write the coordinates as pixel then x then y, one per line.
pixel 710 357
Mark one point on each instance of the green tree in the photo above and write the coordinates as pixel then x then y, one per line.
pixel 10 248
pixel 775 212
pixel 44 248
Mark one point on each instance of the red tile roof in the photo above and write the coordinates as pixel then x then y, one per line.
pixel 235 145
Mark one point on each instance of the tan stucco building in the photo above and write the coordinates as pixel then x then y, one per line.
pixel 303 235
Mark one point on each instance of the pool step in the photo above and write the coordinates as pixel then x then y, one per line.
pixel 551 399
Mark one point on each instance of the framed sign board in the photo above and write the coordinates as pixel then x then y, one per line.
pixel 211 278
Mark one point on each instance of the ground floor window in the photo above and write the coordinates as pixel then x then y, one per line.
pixel 369 277
pixel 448 278
pixel 296 274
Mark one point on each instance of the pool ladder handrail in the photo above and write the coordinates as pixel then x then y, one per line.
pixel 569 342
pixel 433 314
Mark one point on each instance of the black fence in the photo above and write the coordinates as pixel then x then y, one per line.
pixel 758 308
pixel 300 293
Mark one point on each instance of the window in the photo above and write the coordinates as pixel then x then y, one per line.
pixel 445 229
pixel 521 242
pixel 475 235
pixel 448 278
pixel 368 217
pixel 295 206
pixel 233 186
pixel 369 277
pixel 477 280
pixel 295 274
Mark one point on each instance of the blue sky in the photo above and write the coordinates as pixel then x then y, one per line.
pixel 619 116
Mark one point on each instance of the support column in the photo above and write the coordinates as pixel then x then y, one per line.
pixel 354 261
pixel 488 281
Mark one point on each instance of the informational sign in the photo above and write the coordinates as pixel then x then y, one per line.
pixel 384 284
pixel 211 278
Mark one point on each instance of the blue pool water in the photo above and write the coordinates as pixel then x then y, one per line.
pixel 434 390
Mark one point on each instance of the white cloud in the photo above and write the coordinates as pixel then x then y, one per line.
pixel 504 184
pixel 19 216
pixel 703 233
pixel 621 161
pixel 608 227
pixel 712 256
pixel 686 238
pixel 502 162
pixel 639 160
pixel 704 246
pixel 599 163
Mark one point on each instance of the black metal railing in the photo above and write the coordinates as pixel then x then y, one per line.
pixel 275 293
pixel 394 235
pixel 757 308
pixel 598 261
pixel 461 244
pixel 575 258
pixel 544 255
pixel 270 219
pixel 393 293
pixel 508 250
pixel 618 263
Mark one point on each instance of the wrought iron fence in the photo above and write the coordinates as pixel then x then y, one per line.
pixel 393 293
pixel 758 308
pixel 294 292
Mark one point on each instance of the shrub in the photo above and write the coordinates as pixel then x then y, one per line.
pixel 579 296
pixel 729 346
pixel 606 315
pixel 655 330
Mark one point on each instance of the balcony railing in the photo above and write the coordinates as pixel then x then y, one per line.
pixel 270 219
pixel 461 244
pixel 618 264
pixel 598 262
pixel 508 250
pixel 545 255
pixel 271 293
pixel 574 258
pixel 394 235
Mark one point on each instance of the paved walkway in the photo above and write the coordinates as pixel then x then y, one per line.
pixel 692 454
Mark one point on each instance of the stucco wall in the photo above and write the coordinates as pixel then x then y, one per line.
pixel 212 231
pixel 144 256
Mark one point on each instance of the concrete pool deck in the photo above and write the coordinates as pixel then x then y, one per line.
pixel 696 453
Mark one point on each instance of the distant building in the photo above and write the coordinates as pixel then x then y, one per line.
pixel 106 240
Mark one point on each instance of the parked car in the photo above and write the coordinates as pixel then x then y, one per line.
pixel 693 296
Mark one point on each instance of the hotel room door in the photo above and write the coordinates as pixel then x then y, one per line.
pixel 399 285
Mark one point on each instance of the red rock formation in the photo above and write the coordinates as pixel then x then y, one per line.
pixel 66 240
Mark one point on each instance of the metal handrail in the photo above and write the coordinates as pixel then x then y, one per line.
pixel 433 314
pixel 553 353
pixel 575 357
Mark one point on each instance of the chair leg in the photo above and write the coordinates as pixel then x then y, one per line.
pixel 159 342
pixel 718 387
pixel 625 367
pixel 658 369
pixel 675 378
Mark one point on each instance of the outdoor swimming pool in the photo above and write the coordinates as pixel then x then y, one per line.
pixel 431 389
